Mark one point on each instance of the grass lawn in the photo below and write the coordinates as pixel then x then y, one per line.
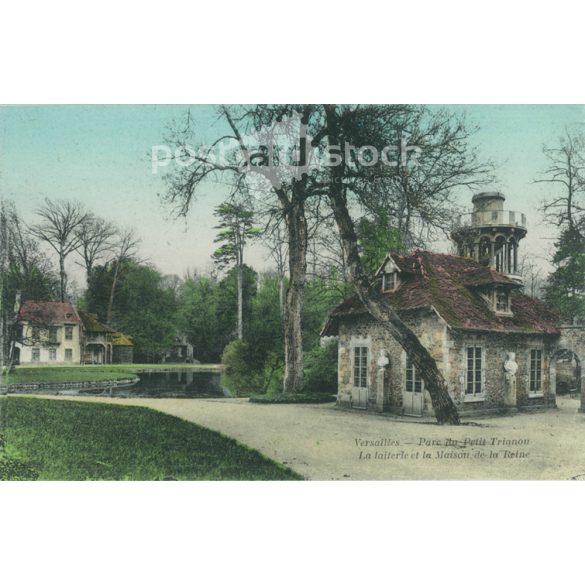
pixel 59 374
pixel 69 440
pixel 55 374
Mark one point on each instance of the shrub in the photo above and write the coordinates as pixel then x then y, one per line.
pixel 321 369
pixel 292 398
pixel 242 375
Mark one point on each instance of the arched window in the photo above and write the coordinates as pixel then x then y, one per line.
pixel 485 248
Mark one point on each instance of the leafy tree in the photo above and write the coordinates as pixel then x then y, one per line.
pixel 565 286
pixel 377 237
pixel 145 308
pixel 321 368
pixel 236 229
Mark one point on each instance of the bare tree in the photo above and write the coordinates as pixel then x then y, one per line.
pixel 315 129
pixel 336 120
pixel 126 249
pixel 566 169
pixel 284 190
pixel 59 227
pixel 531 274
pixel 96 237
pixel 275 240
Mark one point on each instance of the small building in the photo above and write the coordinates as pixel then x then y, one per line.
pixel 55 333
pixel 123 349
pixel 181 352
pixel 495 347
pixel 97 340
pixel 49 333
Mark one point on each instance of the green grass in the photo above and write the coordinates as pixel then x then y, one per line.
pixel 62 374
pixel 167 365
pixel 58 375
pixel 69 440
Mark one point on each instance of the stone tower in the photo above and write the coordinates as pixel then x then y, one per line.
pixel 490 234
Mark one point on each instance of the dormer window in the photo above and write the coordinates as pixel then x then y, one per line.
pixel 389 281
pixel 502 301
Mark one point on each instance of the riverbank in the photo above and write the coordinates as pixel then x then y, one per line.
pixel 36 377
pixel 65 440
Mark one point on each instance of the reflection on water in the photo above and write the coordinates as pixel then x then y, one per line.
pixel 169 384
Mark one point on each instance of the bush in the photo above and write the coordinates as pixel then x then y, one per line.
pixel 321 369
pixel 292 398
pixel 242 375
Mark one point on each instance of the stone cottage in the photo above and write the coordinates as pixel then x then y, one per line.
pixel 495 346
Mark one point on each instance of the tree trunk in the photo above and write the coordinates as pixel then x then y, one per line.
pixel 63 277
pixel 240 300
pixel 445 410
pixel 112 293
pixel 297 260
pixel 281 293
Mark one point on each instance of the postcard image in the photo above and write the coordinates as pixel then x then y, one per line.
pixel 292 292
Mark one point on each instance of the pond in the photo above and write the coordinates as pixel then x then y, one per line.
pixel 175 383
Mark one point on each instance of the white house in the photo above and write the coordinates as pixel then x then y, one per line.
pixel 49 333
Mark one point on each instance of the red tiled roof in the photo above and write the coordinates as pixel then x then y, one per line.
pixel 451 285
pixel 48 312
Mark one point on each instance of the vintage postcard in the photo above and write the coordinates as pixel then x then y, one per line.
pixel 292 291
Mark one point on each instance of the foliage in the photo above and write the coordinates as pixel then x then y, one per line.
pixel 207 313
pixel 377 237
pixel 565 287
pixel 236 228
pixel 145 308
pixel 321 369
pixel 68 440
pixel 292 398
pixel 242 374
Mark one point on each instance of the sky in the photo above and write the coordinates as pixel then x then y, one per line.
pixel 101 155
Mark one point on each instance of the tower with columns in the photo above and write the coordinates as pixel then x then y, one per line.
pixel 491 234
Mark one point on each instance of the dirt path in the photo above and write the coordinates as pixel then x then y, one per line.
pixel 323 442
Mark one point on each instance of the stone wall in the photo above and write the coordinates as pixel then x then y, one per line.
pixel 448 347
pixel 573 339
pixel 364 331
pixel 495 348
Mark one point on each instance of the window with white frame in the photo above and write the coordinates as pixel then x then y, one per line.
pixel 389 281
pixel 535 378
pixel 414 382
pixel 68 355
pixel 52 354
pixel 68 332
pixel 474 379
pixel 36 354
pixel 360 367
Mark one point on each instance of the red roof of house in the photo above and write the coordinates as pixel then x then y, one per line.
pixel 48 312
pixel 451 285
